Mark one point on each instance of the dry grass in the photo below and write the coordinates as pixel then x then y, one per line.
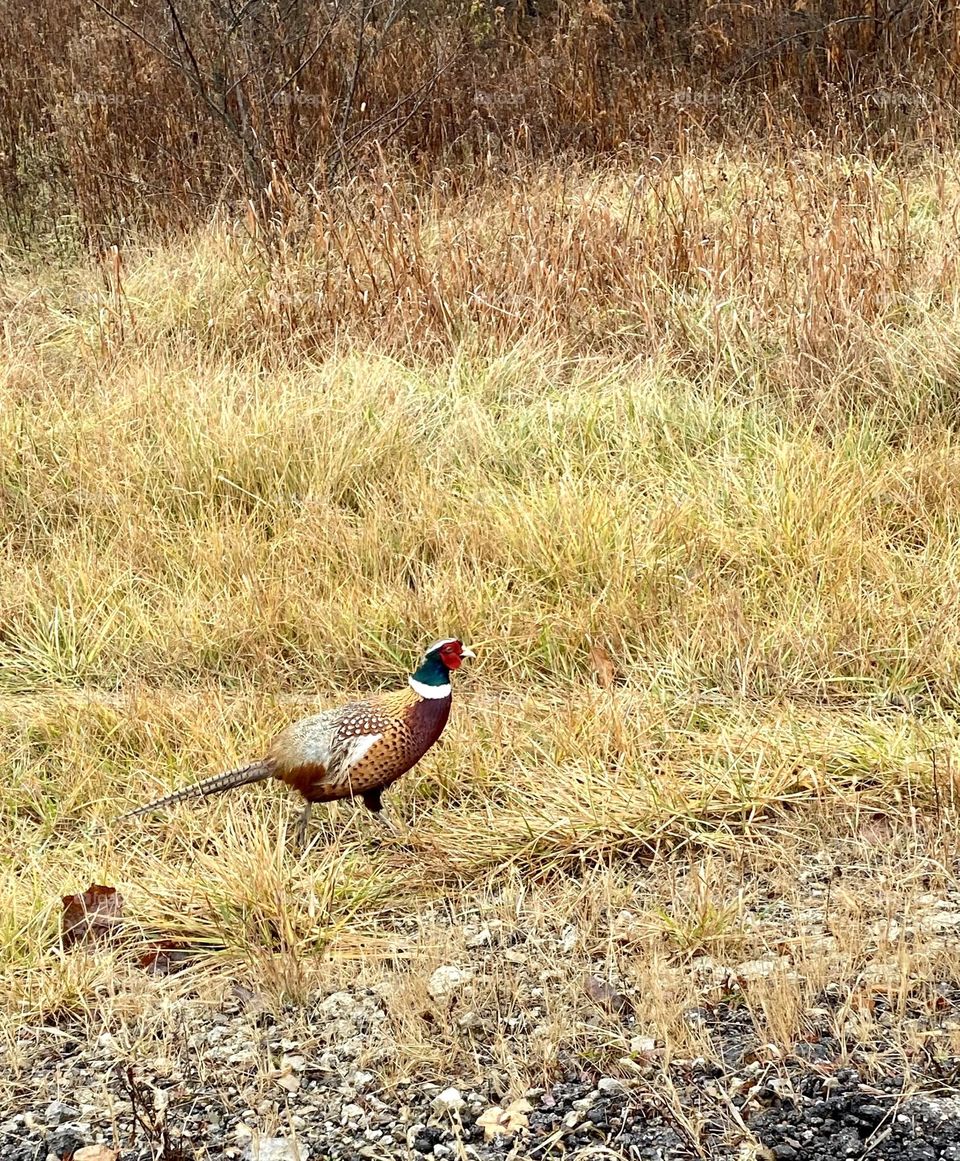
pixel 150 116
pixel 679 458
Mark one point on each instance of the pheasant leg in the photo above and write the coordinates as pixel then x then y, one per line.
pixel 303 822
pixel 374 803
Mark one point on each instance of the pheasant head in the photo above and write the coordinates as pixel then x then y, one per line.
pixel 432 679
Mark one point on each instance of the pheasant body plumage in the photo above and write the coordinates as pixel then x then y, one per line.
pixel 356 750
pixel 363 746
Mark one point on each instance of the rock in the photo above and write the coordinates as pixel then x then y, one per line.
pixel 57 1112
pixel 642 1045
pixel 273 1149
pixel 95 1153
pixel 872 1114
pixel 611 1086
pixel 941 921
pixel 447 980
pixel 338 1006
pixel 66 1141
pixel 624 925
pixel 427 1138
pixel 935 1108
pixel 760 969
pixel 447 1102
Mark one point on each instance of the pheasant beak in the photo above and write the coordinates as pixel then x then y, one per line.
pixel 467 654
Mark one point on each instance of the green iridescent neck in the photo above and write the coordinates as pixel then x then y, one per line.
pixel 432 671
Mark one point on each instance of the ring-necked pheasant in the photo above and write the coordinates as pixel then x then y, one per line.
pixel 354 751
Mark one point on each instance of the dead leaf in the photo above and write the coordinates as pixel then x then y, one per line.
pixel 864 999
pixel 603 666
pixel 165 958
pixel 90 916
pixel 606 995
pixel 249 1001
pixel 504 1122
pixel 287 1079
pixel 95 1153
pixel 286 1076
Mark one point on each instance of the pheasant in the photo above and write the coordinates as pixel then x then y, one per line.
pixel 354 751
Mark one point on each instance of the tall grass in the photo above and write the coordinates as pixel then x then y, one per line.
pixel 676 453
pixel 119 115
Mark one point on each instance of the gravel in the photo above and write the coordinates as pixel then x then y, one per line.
pixel 243 1083
pixel 792 1110
pixel 847 1118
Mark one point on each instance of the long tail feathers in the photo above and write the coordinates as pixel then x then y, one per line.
pixel 255 772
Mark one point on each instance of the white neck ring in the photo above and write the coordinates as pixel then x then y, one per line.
pixel 429 691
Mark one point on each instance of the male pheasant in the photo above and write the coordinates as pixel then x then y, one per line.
pixel 355 751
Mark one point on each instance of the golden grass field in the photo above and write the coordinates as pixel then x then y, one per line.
pixel 675 452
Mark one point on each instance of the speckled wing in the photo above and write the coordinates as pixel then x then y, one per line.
pixel 361 728
pixel 372 743
pixel 408 725
pixel 317 755
pixel 360 747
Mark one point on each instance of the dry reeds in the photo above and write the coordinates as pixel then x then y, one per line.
pixel 114 115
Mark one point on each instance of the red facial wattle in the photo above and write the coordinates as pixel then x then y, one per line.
pixel 451 656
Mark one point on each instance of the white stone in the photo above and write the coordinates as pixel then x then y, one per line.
pixel 449 1101
pixel 759 969
pixel 944 921
pixel 273 1149
pixel 57 1112
pixel 642 1045
pixel 338 1005
pixel 447 980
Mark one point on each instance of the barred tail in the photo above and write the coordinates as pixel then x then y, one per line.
pixel 255 772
